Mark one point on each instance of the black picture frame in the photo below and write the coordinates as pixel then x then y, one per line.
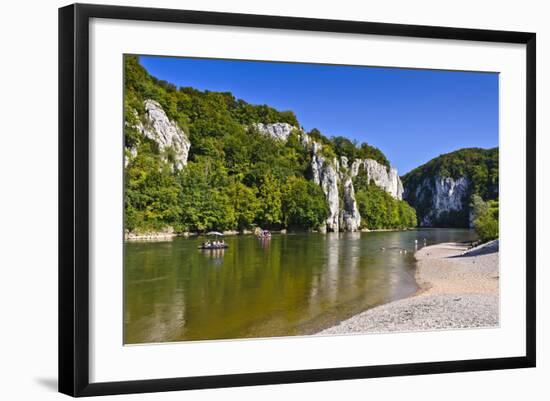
pixel 74 198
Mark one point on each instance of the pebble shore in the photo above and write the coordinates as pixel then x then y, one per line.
pixel 458 289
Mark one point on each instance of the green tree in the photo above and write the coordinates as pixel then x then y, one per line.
pixel 478 207
pixel 151 192
pixel 352 150
pixel 204 199
pixel 379 209
pixel 486 218
pixel 304 204
pixel 270 211
pixel 245 203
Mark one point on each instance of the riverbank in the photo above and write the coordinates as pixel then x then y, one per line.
pixel 168 234
pixel 458 289
pixel 383 230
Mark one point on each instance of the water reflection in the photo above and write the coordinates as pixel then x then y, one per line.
pixel 264 242
pixel 287 285
pixel 216 255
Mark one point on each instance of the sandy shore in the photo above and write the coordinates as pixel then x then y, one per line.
pixel 458 289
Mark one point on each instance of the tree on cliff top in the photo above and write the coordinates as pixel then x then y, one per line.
pixel 353 150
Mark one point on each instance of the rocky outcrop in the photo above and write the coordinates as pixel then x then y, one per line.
pixel 450 193
pixel 317 162
pixel 389 181
pixel 350 217
pixel 130 153
pixel 332 174
pixel 325 174
pixel 441 196
pixel 335 178
pixel 279 131
pixel 172 141
pixel 441 189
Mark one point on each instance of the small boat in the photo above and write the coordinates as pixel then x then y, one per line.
pixel 263 234
pixel 213 245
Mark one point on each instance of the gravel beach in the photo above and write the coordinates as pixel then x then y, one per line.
pixel 458 289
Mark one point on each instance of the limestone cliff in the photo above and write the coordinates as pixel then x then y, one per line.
pixel 325 174
pixel 335 178
pixel 171 140
pixel 441 189
pixel 445 196
pixel 350 217
pixel 389 181
pixel 279 131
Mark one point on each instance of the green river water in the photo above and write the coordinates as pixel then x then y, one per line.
pixel 292 284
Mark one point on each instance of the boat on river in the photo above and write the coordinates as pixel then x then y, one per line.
pixel 263 234
pixel 213 245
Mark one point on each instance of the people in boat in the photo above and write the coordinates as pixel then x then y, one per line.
pixel 264 234
pixel 214 244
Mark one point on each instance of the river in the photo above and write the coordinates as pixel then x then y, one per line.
pixel 292 284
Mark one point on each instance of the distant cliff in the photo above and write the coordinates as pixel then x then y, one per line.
pixel 441 190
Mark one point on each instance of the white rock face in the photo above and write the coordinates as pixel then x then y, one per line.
pixel 279 131
pixel 448 195
pixel 350 217
pixel 331 174
pixel 305 140
pixel 329 183
pixel 317 162
pixel 165 133
pixel 132 153
pixel 378 173
pixel 344 162
pixel 355 167
pixel 325 175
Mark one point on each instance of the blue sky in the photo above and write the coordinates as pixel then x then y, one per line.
pixel 411 115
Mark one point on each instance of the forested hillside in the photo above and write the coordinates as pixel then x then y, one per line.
pixel 200 160
pixel 442 191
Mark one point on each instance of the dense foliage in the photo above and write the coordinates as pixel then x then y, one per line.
pixel 479 166
pixel 485 215
pixel 151 192
pixel 236 177
pixel 378 208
